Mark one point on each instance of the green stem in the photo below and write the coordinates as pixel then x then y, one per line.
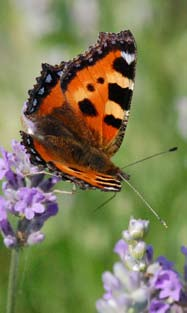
pixel 12 283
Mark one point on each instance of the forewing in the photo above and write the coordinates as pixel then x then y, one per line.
pixel 99 85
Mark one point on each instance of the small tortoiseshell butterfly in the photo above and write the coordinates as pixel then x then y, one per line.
pixel 77 113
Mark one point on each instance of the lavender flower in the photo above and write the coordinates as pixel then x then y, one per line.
pixel 27 197
pixel 158 306
pixel 138 282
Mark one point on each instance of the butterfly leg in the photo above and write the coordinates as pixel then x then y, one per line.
pixel 72 192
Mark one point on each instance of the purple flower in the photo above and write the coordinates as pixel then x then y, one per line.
pixel 166 264
pixel 125 288
pixel 20 160
pixel 157 306
pixel 27 197
pixel 5 163
pixel 139 283
pixel 29 202
pixel 137 228
pixel 149 253
pixel 184 251
pixel 10 241
pixel 169 285
pixel 121 248
pixel 8 233
pixel 3 212
pixel 110 282
pixel 34 238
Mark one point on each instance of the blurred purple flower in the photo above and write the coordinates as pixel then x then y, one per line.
pixel 158 306
pixel 169 285
pixel 165 263
pixel 27 197
pixel 184 250
pixel 3 212
pixel 121 248
pixel 149 253
pixel 138 282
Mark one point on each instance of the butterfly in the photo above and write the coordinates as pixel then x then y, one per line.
pixel 76 115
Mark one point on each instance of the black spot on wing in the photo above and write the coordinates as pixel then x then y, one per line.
pixel 121 66
pixel 112 121
pixel 120 95
pixel 87 107
pixel 90 87
pixel 100 80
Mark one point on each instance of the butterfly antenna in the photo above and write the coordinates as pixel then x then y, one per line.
pixel 144 201
pixel 105 202
pixel 151 156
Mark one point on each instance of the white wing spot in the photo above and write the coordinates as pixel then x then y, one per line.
pixel 59 73
pixel 131 84
pixel 129 58
pixel 41 91
pixel 48 79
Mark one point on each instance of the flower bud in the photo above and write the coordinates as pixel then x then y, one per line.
pixel 138 228
pixel 138 250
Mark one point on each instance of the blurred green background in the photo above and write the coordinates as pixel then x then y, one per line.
pixel 63 274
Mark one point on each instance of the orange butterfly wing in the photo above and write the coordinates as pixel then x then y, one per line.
pixel 99 86
pixel 40 155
